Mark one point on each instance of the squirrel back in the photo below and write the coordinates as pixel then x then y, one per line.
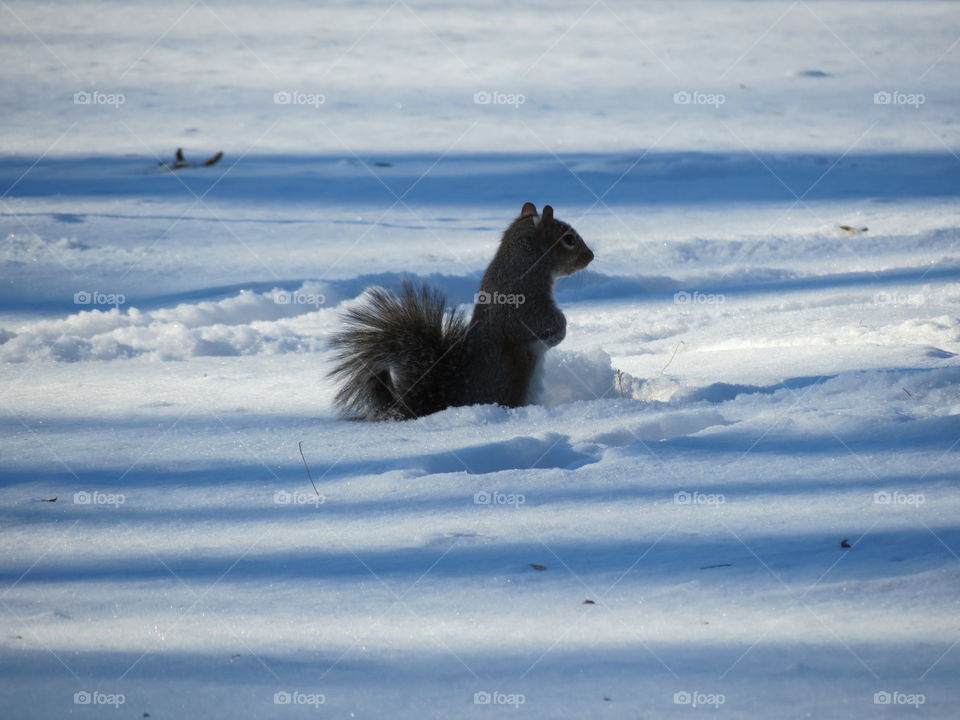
pixel 403 356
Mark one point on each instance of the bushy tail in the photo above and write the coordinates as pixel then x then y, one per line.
pixel 399 356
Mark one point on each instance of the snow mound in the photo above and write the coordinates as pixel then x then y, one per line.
pixel 248 323
pixel 567 377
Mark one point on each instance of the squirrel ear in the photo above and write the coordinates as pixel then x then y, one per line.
pixel 547 215
pixel 528 210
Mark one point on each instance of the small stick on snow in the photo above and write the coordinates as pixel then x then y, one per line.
pixel 309 475
pixel 675 350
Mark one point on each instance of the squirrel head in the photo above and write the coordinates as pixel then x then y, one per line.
pixel 563 249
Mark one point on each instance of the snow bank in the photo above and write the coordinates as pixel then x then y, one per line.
pixel 248 323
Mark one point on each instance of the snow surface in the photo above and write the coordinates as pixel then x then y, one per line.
pixel 744 384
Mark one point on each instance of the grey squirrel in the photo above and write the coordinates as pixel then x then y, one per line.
pixel 402 356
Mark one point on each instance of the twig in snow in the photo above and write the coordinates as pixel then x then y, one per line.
pixel 675 350
pixel 309 475
pixel 181 162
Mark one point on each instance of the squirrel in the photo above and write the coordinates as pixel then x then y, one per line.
pixel 403 356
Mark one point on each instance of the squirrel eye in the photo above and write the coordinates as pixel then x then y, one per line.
pixel 567 241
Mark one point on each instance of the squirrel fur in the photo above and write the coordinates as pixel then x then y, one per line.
pixel 403 356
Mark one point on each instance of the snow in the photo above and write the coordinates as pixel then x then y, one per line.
pixel 744 384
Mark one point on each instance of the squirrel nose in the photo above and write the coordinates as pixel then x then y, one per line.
pixel 587 257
